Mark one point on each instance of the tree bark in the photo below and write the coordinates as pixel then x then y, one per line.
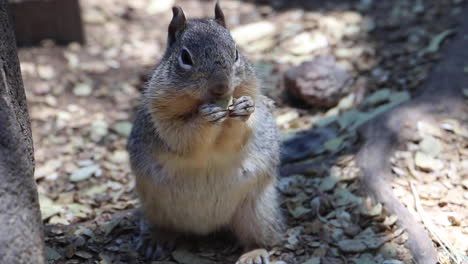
pixel 21 230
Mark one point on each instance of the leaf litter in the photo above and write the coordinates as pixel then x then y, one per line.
pixel 81 123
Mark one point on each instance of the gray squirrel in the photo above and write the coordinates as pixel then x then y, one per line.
pixel 204 145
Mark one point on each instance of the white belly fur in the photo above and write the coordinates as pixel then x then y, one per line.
pixel 197 200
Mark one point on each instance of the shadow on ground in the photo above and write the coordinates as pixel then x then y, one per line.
pixel 82 100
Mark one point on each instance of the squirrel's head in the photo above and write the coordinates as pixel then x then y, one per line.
pixel 201 58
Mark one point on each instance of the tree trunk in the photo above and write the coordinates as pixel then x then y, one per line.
pixel 21 231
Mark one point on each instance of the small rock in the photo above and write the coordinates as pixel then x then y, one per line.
pixel 45 72
pixel 115 186
pixel 352 230
pixel 94 16
pixel 345 65
pixel 389 250
pixel 41 88
pixel 84 173
pixel 94 67
pixel 345 53
pixel 351 30
pixel 85 163
pixel 119 156
pixel 82 89
pixel 319 83
pixel 426 128
pixel 426 162
pixel 99 129
pixel 159 6
pixel 72 59
pixel 123 128
pixel 260 45
pixel 351 17
pixel 431 146
pixel 254 31
pixel 306 43
pixel 334 26
pixel 352 246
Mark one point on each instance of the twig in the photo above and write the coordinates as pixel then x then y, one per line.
pixel 446 246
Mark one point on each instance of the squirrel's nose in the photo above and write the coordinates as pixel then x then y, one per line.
pixel 219 90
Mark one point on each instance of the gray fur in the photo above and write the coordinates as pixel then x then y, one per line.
pixel 213 50
pixel 199 170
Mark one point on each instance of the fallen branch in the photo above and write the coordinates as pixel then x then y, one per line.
pixel 373 158
pixel 441 96
pixel 444 244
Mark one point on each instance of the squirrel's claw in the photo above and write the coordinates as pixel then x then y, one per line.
pixel 153 244
pixel 213 113
pixel 242 108
pixel 151 249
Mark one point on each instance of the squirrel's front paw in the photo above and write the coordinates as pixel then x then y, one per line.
pixel 213 113
pixel 242 108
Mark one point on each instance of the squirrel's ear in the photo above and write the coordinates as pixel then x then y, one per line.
pixel 177 24
pixel 219 15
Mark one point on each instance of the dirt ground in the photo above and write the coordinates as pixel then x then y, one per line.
pixel 82 100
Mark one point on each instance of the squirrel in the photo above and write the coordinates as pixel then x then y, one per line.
pixel 203 163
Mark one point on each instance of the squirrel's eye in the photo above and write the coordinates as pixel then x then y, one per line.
pixel 237 55
pixel 185 59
